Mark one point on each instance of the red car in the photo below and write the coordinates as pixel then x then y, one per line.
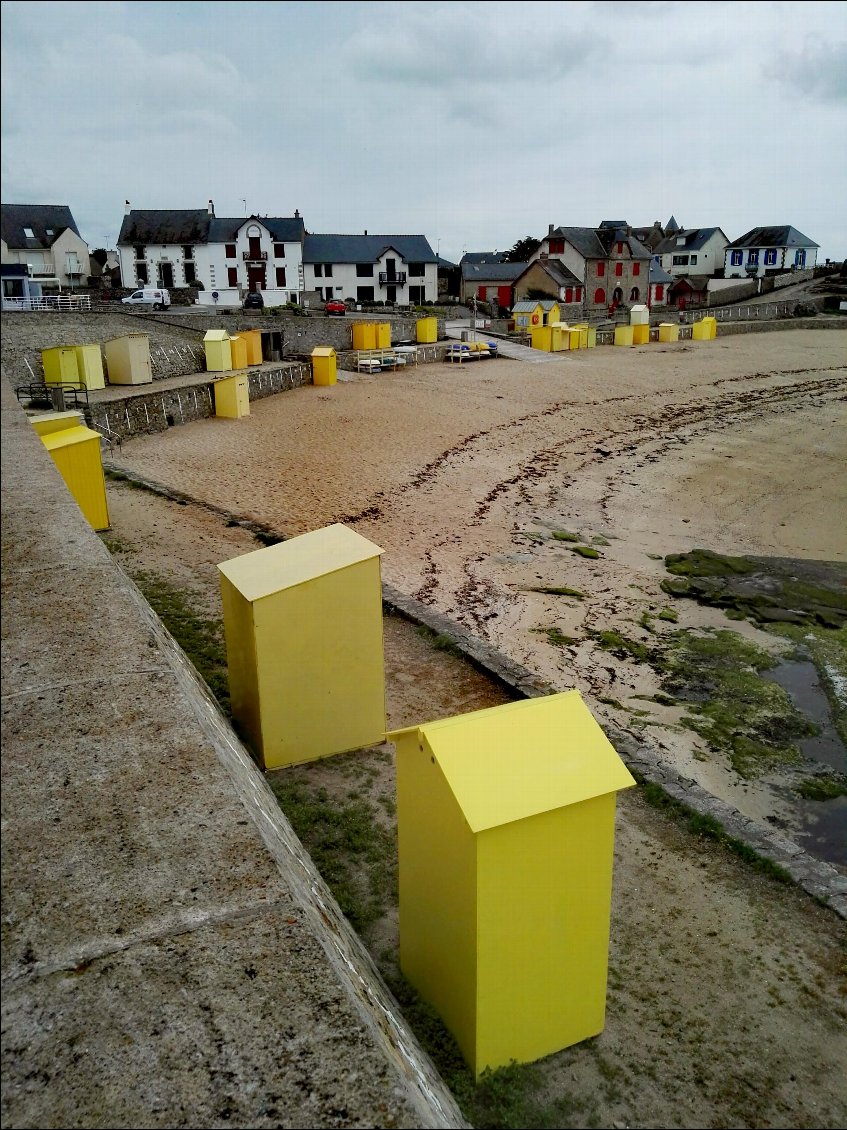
pixel 335 306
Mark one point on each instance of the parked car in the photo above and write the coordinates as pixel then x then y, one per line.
pixel 336 306
pixel 254 301
pixel 158 299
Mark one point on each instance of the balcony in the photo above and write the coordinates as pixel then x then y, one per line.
pixel 254 256
pixel 386 278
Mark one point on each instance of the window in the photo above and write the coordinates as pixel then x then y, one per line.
pixel 568 294
pixel 600 295
pixel 770 257
pixel 364 294
pixel 327 270
pixel 800 258
pixel 416 270
pixel 660 292
pixel 619 248
pixel 29 233
pixel 578 295
pixel 693 260
pixel 634 294
pixel 280 276
pixel 557 247
pixel 619 269
pixel 141 274
pixel 279 251
pixel 753 257
pixel 319 270
pixel 735 258
pixel 230 251
pixel 680 260
pixel 139 250
pixel 601 270
pixel 190 272
pixel 188 252
pixel 636 268
pixel 232 273
pixel 364 271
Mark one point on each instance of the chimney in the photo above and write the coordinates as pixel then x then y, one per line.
pixel 296 213
pixel 127 207
pixel 366 231
pixel 549 229
pixel 211 208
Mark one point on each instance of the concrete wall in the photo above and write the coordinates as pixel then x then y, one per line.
pixel 170 956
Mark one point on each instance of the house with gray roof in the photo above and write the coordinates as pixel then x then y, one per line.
pixel 223 256
pixel 489 281
pixel 769 251
pixel 401 269
pixel 610 264
pixel 45 239
pixel 552 278
pixel 692 251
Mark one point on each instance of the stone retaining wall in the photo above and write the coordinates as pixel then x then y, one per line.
pixel 155 410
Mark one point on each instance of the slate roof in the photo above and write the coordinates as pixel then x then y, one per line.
pixel 284 229
pixel 491 272
pixel 614 224
pixel 482 257
pixel 695 282
pixel 366 248
pixel 558 272
pixel 695 238
pixel 585 240
pixel 658 274
pixel 195 225
pixel 165 225
pixel 637 250
pixel 672 225
pixel 774 237
pixel 39 218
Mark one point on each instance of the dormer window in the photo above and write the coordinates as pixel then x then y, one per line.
pixel 29 233
pixel 680 241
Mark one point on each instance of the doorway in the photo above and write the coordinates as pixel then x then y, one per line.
pixel 167 273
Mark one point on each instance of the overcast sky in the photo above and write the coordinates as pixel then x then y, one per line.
pixel 473 123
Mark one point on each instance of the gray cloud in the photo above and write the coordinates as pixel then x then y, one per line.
pixel 819 70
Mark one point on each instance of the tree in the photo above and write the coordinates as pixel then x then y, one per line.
pixel 100 256
pixel 522 250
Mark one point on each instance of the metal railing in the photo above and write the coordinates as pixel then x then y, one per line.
pixel 254 257
pixel 57 396
pixel 49 302
pixel 387 279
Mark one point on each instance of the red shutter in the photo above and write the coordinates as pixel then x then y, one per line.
pixel 619 248
pixel 481 294
pixel 619 269
pixel 233 275
pixel 569 294
pixel 636 268
pixel 660 292
pixel 601 270
pixel 600 296
pixel 578 295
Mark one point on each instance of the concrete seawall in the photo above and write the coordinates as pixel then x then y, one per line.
pixel 170 955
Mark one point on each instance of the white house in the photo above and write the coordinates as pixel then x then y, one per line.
pixel 769 251
pixel 400 269
pixel 229 256
pixel 46 239
pixel 692 251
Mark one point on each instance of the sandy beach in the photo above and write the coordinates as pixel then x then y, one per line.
pixel 462 473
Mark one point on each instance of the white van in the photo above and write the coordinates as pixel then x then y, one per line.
pixel 158 299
